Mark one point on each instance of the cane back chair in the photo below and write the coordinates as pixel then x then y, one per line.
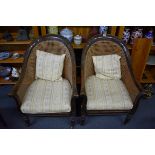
pixel 105 45
pixel 52 44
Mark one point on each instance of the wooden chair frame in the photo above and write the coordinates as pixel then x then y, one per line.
pixel 138 91
pixel 72 71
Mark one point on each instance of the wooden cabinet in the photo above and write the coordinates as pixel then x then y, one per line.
pixel 143 60
pixel 142 66
pixel 14 46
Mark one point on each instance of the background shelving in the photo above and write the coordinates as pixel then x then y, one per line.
pixel 143 59
pixel 15 46
pixel 86 32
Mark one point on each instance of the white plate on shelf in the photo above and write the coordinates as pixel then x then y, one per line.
pixel 151 60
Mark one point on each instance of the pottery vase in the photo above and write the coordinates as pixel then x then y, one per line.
pixel 126 35
pixel 136 34
pixel 103 30
pixel 149 34
pixel 52 29
pixel 67 33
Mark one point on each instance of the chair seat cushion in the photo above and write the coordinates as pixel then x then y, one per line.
pixel 44 96
pixel 107 94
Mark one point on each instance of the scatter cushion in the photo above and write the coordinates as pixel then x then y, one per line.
pixel 107 66
pixel 107 94
pixel 49 66
pixel 45 96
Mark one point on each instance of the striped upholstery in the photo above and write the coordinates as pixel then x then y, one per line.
pixel 107 94
pixel 45 96
pixel 107 66
pixel 49 66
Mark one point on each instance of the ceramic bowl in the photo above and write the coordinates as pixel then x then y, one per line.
pixel 5 71
pixel 5 55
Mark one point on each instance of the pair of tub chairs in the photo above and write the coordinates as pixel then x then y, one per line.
pixel 41 96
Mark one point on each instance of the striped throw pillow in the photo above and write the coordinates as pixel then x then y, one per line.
pixel 49 66
pixel 107 66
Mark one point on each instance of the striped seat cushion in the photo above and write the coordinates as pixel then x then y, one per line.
pixel 45 96
pixel 107 94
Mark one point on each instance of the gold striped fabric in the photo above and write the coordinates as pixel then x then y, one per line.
pixel 45 96
pixel 107 66
pixel 107 94
pixel 49 66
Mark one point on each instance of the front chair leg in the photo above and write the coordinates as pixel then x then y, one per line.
pixel 130 114
pixel 18 103
pixel 128 118
pixel 73 114
pixel 133 110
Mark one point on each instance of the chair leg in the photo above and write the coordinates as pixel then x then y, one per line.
pixel 128 118
pixel 83 109
pixel 72 123
pixel 82 120
pixel 134 109
pixel 131 113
